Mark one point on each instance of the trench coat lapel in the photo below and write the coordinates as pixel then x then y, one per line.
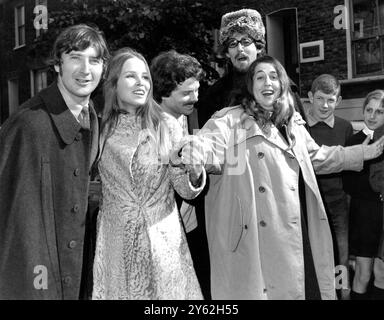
pixel 252 129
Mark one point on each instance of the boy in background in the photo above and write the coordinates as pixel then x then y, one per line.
pixel 328 129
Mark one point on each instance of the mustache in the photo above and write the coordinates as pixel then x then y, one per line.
pixel 241 55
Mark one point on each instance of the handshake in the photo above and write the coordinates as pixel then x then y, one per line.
pixel 190 154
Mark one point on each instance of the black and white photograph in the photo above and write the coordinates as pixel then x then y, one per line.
pixel 199 152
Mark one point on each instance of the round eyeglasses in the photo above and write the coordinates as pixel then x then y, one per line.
pixel 245 42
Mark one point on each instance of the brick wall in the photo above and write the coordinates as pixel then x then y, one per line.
pixel 316 22
pixel 15 62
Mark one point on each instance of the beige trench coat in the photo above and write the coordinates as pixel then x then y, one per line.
pixel 253 208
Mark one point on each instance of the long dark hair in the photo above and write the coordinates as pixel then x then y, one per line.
pixel 283 107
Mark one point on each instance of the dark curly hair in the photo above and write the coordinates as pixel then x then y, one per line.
pixel 171 68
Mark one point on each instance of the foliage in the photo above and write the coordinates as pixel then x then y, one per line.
pixel 149 26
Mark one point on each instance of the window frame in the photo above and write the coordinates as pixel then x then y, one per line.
pixel 33 74
pixel 19 26
pixel 354 42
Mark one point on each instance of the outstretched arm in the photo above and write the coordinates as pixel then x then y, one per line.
pixel 330 159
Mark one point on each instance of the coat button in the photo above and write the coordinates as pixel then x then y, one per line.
pixel 261 189
pixel 76 172
pixel 72 244
pixel 263 223
pixel 260 155
pixel 245 227
pixel 67 280
pixel 76 208
pixel 292 188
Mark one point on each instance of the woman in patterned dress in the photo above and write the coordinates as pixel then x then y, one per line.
pixel 141 250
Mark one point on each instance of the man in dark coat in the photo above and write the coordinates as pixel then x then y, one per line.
pixel 242 40
pixel 46 152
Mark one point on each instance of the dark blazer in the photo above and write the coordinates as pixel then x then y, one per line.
pixel 45 160
pixel 376 180
pixel 221 94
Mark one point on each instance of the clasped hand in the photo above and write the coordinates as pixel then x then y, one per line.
pixel 191 157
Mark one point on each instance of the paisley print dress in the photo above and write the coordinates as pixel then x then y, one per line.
pixel 141 250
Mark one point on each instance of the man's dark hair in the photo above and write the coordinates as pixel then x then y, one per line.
pixel 78 38
pixel 171 68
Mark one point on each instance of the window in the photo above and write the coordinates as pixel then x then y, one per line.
pixel 367 37
pixel 13 95
pixel 19 26
pixel 38 81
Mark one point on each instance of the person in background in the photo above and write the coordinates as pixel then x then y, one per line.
pixel 328 129
pixel 176 80
pixel 366 212
pixel 242 40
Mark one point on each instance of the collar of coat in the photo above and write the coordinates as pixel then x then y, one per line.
pixel 245 127
pixel 62 117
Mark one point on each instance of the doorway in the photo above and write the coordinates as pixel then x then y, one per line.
pixel 282 41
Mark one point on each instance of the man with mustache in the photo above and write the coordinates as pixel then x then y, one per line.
pixel 242 40
pixel 176 81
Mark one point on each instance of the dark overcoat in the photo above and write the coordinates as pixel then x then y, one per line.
pixel 45 159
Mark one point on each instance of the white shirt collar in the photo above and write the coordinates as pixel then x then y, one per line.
pixel 330 121
pixel 367 131
pixel 72 105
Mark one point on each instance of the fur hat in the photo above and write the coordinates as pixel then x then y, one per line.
pixel 243 21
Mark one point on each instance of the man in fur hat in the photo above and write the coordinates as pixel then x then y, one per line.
pixel 242 40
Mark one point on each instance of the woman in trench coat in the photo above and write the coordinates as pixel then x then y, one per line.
pixel 267 229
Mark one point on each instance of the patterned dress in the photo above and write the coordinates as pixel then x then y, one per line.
pixel 141 250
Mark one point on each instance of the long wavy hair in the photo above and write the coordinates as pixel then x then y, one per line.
pixel 283 107
pixel 150 113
